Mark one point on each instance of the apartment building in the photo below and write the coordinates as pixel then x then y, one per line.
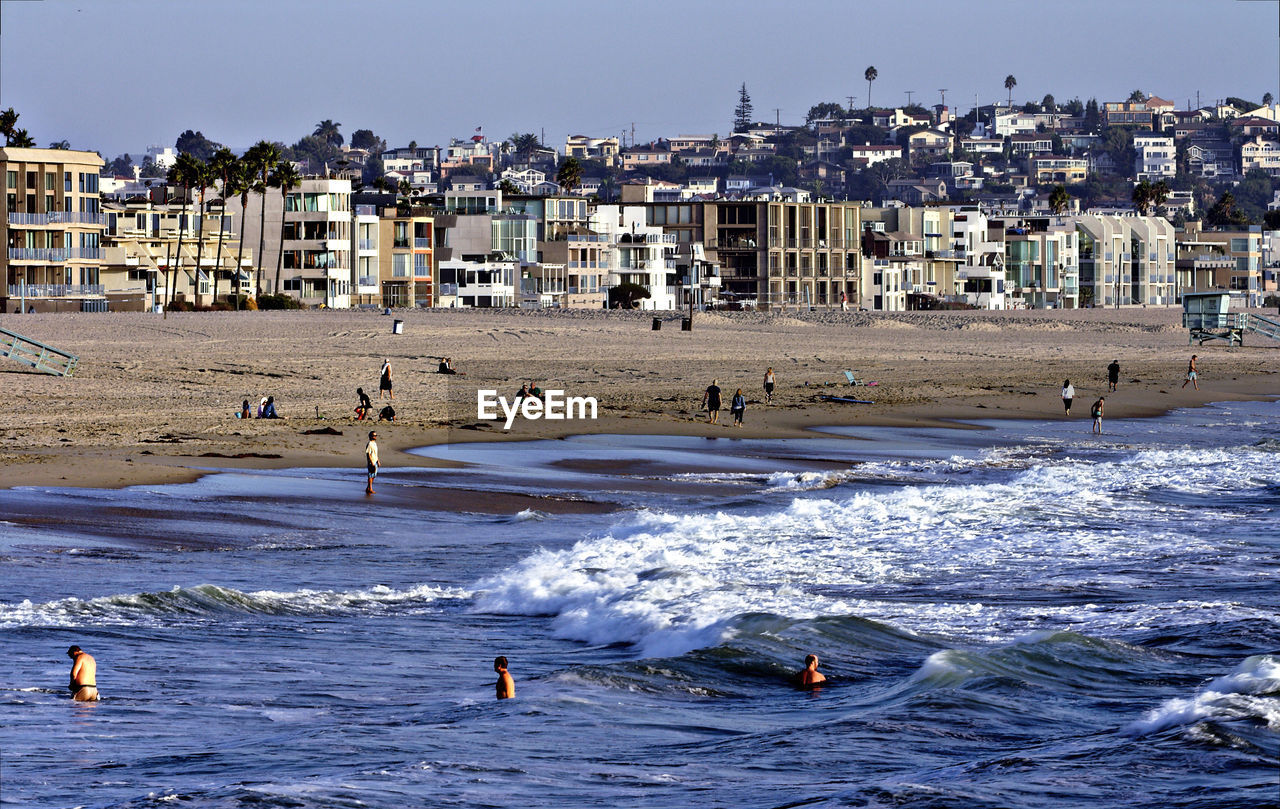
pixel 405 251
pixel 979 274
pixel 1242 250
pixel 52 230
pixel 1051 169
pixel 315 264
pixel 1155 158
pixel 587 259
pixel 480 257
pixel 642 254
pixel 1126 260
pixel 1041 261
pixel 916 256
pixel 366 241
pixel 1261 154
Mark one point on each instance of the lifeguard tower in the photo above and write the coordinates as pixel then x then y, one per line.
pixel 1208 316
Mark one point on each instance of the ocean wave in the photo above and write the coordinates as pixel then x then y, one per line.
pixel 210 601
pixel 1250 693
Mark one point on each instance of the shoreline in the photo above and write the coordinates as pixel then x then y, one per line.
pixel 153 402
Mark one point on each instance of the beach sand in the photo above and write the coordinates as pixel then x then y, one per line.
pixel 155 397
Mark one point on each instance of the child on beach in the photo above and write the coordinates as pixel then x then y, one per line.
pixel 1068 393
pixel 738 406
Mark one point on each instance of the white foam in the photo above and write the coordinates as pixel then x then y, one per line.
pixel 1251 692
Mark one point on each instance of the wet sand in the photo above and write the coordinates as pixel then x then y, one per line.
pixel 154 399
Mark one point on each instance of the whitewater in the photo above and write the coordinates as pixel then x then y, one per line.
pixel 1022 615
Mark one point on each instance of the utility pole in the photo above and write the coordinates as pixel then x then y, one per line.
pixel 909 92
pixel 943 91
pixel 777 117
pixel 851 98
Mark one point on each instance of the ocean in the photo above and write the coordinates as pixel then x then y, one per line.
pixel 1023 615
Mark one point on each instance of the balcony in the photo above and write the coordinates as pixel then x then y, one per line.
pixel 54 290
pixel 367 244
pixel 54 253
pixel 57 218
pixel 421 244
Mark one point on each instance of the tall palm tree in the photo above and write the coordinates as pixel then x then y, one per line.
pixel 287 178
pixel 524 145
pixel 1142 197
pixel 327 130
pixel 21 139
pixel 184 173
pixel 570 174
pixel 870 74
pixel 1159 193
pixel 241 183
pixel 1059 199
pixel 1009 83
pixel 8 122
pixel 202 178
pixel 222 165
pixel 266 156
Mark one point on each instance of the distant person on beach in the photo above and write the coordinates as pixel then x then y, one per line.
pixel 1068 393
pixel 1191 373
pixel 269 409
pixel 711 401
pixel 384 380
pixel 1096 412
pixel 1113 375
pixel 506 687
pixel 262 407
pixel 366 404
pixel 810 677
pixel 245 412
pixel 371 460
pixel 535 392
pixel 524 392
pixel 446 367
pixel 768 386
pixel 738 406
pixel 387 413
pixel 84 675
pixel 844 302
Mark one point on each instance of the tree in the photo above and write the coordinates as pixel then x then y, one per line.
pixel 201 178
pixel 241 181
pixel 743 113
pixel 1049 103
pixel 1142 197
pixel 1074 108
pixel 286 178
pixel 327 131
pixel 1159 193
pixel 1059 199
pixel 21 140
pixel 1009 83
pixel 1137 97
pixel 1271 220
pixel 316 152
pixel 1267 98
pixel 8 123
pixel 222 166
pixel 184 172
pixel 826 109
pixel 569 176
pixel 1241 104
pixel 122 166
pixel 1092 117
pixel 626 296
pixel 507 187
pixel 404 188
pixel 524 145
pixel 372 170
pixel 365 139
pixel 60 144
pixel 870 74
pixel 263 157
pixel 196 144
pixel 1223 214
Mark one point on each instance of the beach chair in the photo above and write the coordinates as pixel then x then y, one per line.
pixel 853 381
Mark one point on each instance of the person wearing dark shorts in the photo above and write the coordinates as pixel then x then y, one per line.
pixel 1096 412
pixel 738 406
pixel 711 401
pixel 384 381
pixel 768 386
pixel 1113 375
pixel 371 460
pixel 1068 393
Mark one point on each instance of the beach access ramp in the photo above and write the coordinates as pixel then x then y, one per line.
pixel 42 357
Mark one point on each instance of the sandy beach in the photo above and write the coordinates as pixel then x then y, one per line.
pixel 155 398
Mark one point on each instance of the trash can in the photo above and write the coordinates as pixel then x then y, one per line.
pixel 657 324
pixel 397 327
pixel 686 324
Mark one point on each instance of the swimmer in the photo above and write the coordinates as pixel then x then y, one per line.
pixel 505 685
pixel 810 676
pixel 84 675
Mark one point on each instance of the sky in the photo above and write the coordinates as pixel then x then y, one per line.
pixel 118 75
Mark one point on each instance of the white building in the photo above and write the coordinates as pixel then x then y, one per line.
pixel 317 263
pixel 641 254
pixel 478 284
pixel 1156 158
pixel 1127 260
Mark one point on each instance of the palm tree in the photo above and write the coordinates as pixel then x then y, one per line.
pixel 1267 98
pixel 202 178
pixel 222 165
pixel 286 177
pixel 570 174
pixel 327 130
pixel 1059 199
pixel 1159 193
pixel 1009 83
pixel 8 122
pixel 870 74
pixel 266 156
pixel 524 145
pixel 1142 197
pixel 21 140
pixel 241 179
pixel 184 173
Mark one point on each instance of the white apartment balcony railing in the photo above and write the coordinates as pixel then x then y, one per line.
pixel 54 253
pixel 421 244
pixel 54 290
pixel 58 218
pixel 367 244
pixel 447 289
pixel 367 281
pixel 366 210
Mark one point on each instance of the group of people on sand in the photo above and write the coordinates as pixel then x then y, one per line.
pixel 712 400
pixel 266 409
pixel 1113 381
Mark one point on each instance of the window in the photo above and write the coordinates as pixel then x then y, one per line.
pixel 49 180
pixel 12 180
pixel 400 266
pixel 66 181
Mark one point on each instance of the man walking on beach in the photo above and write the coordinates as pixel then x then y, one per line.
pixel 384 380
pixel 84 675
pixel 371 460
pixel 1113 375
pixel 711 401
pixel 1191 373
pixel 1096 412
pixel 810 677
pixel 506 686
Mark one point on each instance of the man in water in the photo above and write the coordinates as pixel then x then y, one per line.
pixel 371 460
pixel 1096 412
pixel 810 677
pixel 1113 375
pixel 505 685
pixel 84 675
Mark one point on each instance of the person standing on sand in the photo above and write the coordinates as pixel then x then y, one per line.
pixel 711 401
pixel 506 687
pixel 1113 375
pixel 384 381
pixel 1068 393
pixel 84 675
pixel 1191 374
pixel 738 406
pixel 371 460
pixel 768 386
pixel 1096 412
pixel 810 677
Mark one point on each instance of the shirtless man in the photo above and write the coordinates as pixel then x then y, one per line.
pixel 84 675
pixel 506 686
pixel 371 460
pixel 1191 373
pixel 810 676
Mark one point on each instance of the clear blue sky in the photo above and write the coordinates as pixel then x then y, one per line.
pixel 117 75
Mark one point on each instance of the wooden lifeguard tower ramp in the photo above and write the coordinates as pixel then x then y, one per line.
pixel 1208 316
pixel 42 357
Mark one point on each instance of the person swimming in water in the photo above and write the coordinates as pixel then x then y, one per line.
pixel 506 687
pixel 84 675
pixel 810 677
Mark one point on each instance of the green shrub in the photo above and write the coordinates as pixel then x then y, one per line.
pixel 278 302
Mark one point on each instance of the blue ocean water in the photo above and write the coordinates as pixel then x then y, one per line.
pixel 1019 616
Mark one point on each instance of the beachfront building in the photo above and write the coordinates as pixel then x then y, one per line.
pixel 641 254
pixel 315 265
pixel 156 252
pixel 481 256
pixel 586 259
pixel 51 230
pixel 1242 253
pixel 919 244
pixel 406 250
pixel 366 242
pixel 1126 260
pixel 980 278
pixel 1041 261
